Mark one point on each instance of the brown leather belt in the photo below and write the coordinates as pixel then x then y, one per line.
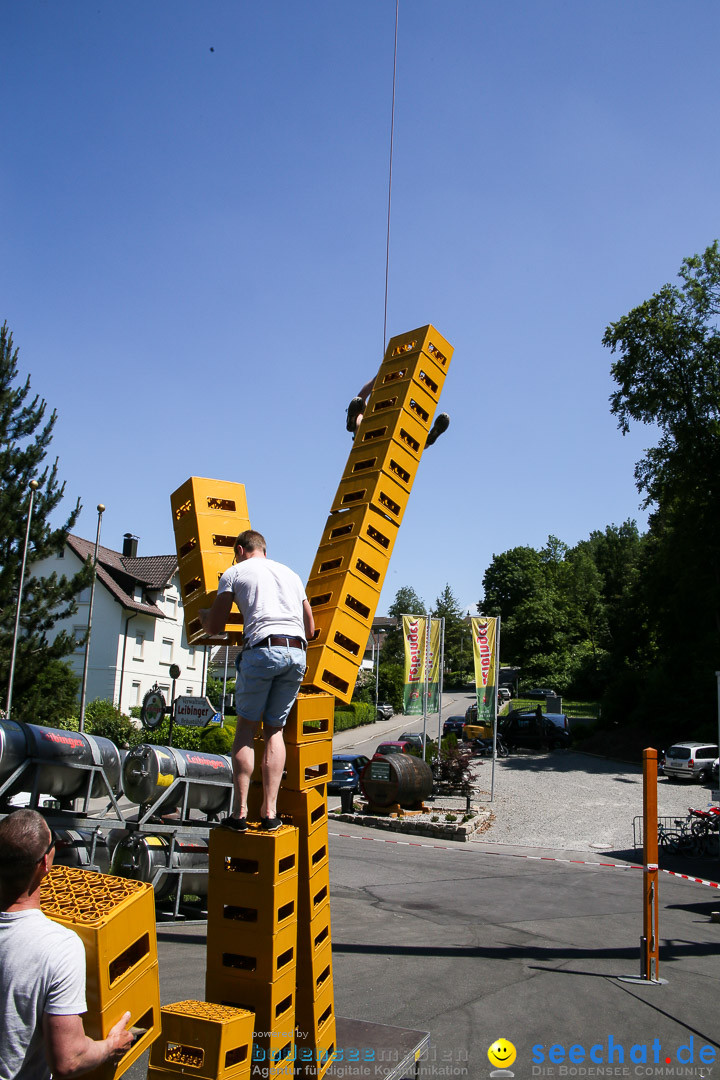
pixel 276 639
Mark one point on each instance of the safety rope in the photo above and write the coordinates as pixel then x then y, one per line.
pixel 392 138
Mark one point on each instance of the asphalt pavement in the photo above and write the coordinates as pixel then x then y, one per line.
pixel 481 942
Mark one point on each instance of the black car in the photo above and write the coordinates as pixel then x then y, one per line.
pixel 539 692
pixel 346 769
pixel 385 710
pixel 413 738
pixel 533 732
pixel 454 726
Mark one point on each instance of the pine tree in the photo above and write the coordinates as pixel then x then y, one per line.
pixel 44 688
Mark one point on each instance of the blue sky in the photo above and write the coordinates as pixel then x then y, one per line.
pixel 193 200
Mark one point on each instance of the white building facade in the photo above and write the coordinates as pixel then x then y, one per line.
pixel 137 624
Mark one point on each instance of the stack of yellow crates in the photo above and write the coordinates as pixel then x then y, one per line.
pixel 302 801
pixel 252 942
pixel 211 1042
pixel 356 544
pixel 115 918
pixel 208 515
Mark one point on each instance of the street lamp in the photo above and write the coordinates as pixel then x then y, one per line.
pixel 34 485
pixel 100 510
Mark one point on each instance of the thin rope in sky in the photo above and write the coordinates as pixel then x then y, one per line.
pixel 392 136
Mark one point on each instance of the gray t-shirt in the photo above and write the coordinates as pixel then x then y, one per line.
pixel 42 970
pixel 270 597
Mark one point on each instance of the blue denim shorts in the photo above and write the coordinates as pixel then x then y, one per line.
pixel 267 683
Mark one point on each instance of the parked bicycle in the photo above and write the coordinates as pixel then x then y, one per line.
pixel 679 840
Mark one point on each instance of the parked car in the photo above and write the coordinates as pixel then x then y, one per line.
pixel 533 732
pixel 539 692
pixel 413 738
pixel 690 761
pixel 346 769
pixel 398 747
pixel 454 726
pixel 385 710
pixel 503 695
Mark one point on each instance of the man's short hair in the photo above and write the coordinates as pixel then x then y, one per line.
pixel 23 842
pixel 251 541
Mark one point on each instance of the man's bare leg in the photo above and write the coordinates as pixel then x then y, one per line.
pixel 243 764
pixel 273 763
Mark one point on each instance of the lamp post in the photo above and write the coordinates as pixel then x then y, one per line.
pixel 33 488
pixel 83 692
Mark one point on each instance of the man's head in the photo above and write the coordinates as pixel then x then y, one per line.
pixel 250 544
pixel 26 853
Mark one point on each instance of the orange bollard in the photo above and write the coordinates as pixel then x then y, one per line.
pixel 650 946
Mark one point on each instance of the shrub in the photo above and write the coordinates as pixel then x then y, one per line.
pixel 356 714
pixel 219 740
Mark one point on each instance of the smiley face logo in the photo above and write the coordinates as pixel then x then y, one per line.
pixel 502 1053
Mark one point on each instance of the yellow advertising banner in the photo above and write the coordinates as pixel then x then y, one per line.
pixel 414 634
pixel 484 633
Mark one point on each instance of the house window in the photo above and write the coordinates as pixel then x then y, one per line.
pixel 166 651
pixel 79 635
pixel 188 690
pixel 139 651
pixel 138 593
pixel 191 657
pixel 135 695
pixel 171 602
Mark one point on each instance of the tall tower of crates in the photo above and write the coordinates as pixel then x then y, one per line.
pixel 356 544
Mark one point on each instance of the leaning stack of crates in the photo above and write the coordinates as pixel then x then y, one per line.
pixel 349 570
pixel 302 801
pixel 208 515
pixel 211 1042
pixel 115 919
pixel 252 936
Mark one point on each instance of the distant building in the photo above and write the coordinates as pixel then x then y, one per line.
pixel 137 626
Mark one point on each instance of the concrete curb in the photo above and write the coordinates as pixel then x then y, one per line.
pixel 439 830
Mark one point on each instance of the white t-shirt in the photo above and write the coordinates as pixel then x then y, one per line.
pixel 42 970
pixel 270 597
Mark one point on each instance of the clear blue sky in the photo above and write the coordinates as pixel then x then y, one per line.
pixel 193 201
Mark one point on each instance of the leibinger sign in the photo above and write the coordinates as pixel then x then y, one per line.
pixel 613 1058
pixel 414 633
pixel 484 634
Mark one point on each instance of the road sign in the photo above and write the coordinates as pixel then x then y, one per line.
pixel 153 709
pixel 195 712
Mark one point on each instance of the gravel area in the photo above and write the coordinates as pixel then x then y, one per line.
pixel 571 800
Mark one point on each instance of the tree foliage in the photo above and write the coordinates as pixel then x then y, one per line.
pixel 42 683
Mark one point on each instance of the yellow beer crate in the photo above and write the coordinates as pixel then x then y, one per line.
pixel 234 905
pixel 306 810
pixel 424 339
pixel 313 893
pixel 330 671
pixel 311 718
pixel 115 919
pixel 308 765
pixel 313 936
pixel 141 998
pixel 259 860
pixel 313 854
pixel 364 522
pixel 241 951
pixel 313 974
pixel 410 396
pixel 315 1016
pixel 354 556
pixel 398 424
pixel 342 632
pixel 199 1038
pixel 342 592
pixel 272 1003
pixel 385 455
pixel 376 489
pixel 204 508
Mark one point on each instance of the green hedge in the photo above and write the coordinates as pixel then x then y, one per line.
pixel 354 715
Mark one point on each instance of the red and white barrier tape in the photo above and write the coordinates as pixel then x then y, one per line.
pixel 536 858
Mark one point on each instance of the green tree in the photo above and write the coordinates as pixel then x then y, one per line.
pixel 448 608
pixel 406 602
pixel 25 435
pixel 509 580
pixel 668 375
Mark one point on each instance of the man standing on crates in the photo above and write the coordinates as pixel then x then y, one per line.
pixel 277 625
pixel 42 968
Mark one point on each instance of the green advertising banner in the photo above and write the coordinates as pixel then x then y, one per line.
pixel 414 635
pixel 434 667
pixel 484 632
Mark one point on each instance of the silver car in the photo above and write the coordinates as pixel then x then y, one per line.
pixel 690 761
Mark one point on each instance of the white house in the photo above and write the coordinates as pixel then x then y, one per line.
pixel 137 623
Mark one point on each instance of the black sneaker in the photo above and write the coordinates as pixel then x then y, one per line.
pixel 442 423
pixel 270 824
pixel 237 824
pixel 356 406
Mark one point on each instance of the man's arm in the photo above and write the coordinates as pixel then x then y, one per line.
pixel 215 618
pixel 69 1050
pixel 309 621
